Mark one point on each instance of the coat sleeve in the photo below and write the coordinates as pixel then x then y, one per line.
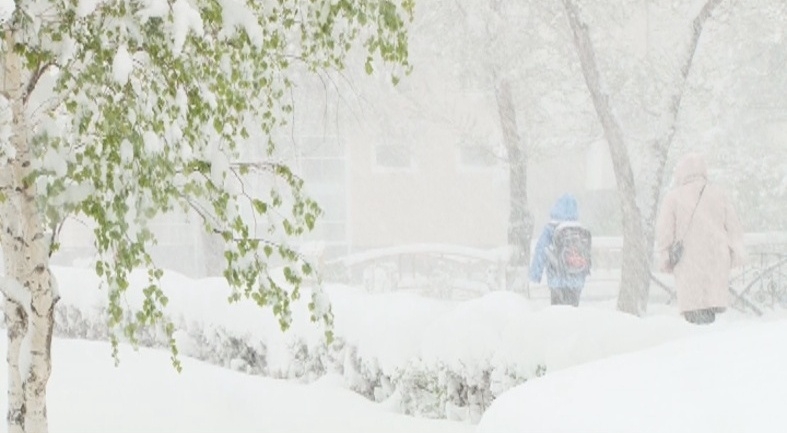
pixel 734 235
pixel 538 263
pixel 665 233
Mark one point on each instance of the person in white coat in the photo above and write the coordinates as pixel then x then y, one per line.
pixel 701 216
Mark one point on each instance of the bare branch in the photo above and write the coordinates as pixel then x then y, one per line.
pixel 245 194
pixel 56 228
pixel 207 218
pixel 697 26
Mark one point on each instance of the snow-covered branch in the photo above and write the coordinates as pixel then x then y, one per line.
pixel 31 85
pixel 14 291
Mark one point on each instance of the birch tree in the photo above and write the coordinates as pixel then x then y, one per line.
pixel 121 110
pixel 638 217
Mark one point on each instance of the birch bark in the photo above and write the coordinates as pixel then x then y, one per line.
pixel 30 317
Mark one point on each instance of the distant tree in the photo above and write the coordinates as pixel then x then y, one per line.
pixel 508 51
pixel 736 111
pixel 638 210
pixel 520 219
pixel 122 110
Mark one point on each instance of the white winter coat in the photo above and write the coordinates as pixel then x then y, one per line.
pixel 713 241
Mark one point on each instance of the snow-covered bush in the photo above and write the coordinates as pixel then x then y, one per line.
pixel 364 376
pixel 420 391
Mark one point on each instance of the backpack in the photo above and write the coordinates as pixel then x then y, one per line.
pixel 570 250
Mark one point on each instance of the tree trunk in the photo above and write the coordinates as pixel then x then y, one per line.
pixel 40 329
pixel 30 312
pixel 520 220
pixel 29 322
pixel 635 266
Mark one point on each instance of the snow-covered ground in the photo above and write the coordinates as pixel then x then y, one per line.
pixel 145 394
pixel 402 353
pixel 724 380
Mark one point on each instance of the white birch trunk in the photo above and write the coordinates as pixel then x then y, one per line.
pixel 26 252
pixel 30 324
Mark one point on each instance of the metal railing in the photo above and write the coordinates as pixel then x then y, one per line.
pixel 762 283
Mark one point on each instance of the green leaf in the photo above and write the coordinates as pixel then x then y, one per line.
pixel 260 206
pixel 368 66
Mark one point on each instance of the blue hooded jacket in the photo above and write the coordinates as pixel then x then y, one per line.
pixel 565 209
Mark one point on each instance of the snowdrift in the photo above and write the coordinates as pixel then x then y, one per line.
pixel 427 357
pixel 727 380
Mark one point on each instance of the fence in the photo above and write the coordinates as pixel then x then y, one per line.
pixel 434 269
pixel 463 272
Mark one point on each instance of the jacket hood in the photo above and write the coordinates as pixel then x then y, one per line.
pixel 691 167
pixel 565 209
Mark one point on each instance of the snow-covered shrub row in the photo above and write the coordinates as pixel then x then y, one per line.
pixel 451 359
pixel 211 344
pixel 428 357
pixel 238 336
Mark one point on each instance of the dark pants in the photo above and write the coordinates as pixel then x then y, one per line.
pixel 704 316
pixel 564 296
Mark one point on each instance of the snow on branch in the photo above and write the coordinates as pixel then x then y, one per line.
pixel 7 8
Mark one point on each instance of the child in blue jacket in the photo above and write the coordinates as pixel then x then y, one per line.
pixel 563 289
